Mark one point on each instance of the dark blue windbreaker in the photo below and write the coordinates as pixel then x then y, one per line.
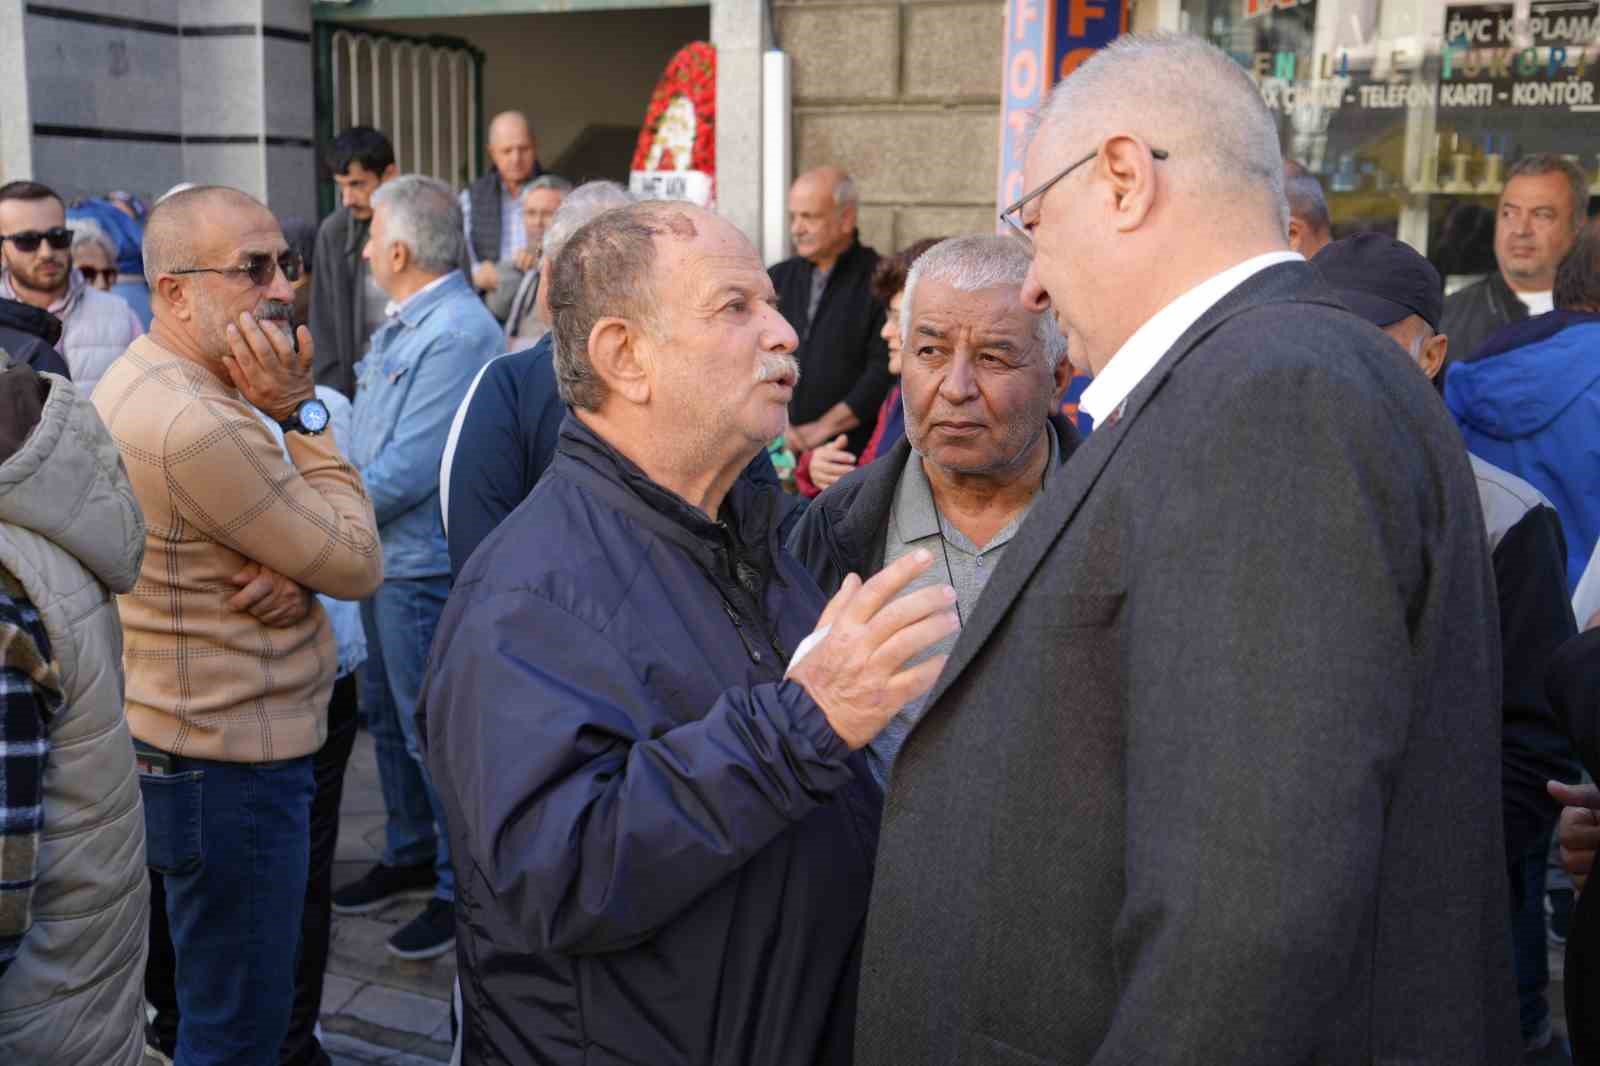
pixel 663 850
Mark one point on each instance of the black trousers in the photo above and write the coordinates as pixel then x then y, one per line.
pixel 300 1047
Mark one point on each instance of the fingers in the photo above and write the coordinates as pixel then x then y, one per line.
pixel 1574 795
pixel 303 336
pixel 847 591
pixel 245 575
pixel 914 682
pixel 914 639
pixel 908 609
pixel 885 585
pixel 258 589
pixel 840 441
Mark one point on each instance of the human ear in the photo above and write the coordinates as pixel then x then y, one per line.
pixel 1127 165
pixel 616 355
pixel 176 294
pixel 1434 351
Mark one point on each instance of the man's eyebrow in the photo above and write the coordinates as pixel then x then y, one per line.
pixel 927 329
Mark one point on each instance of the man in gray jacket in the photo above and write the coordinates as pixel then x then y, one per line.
pixel 1213 772
pixel 73 892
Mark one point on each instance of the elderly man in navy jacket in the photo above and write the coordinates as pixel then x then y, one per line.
pixel 643 723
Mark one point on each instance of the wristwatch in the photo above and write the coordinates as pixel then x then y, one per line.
pixel 311 418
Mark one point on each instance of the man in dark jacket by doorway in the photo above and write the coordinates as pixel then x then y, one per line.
pixel 825 291
pixel 643 723
pixel 347 306
pixel 982 376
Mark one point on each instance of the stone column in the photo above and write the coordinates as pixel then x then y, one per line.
pixel 16 142
pixel 739 30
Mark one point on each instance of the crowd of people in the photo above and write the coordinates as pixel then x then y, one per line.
pixel 762 666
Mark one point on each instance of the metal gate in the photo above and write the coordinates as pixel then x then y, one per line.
pixel 425 93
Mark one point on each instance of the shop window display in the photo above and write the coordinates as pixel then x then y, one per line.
pixel 1410 112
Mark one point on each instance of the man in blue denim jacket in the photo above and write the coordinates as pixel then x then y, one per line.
pixel 423 358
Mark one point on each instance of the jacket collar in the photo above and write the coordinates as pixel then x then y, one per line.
pixel 1287 282
pixel 30 319
pixel 419 305
pixel 355 232
pixel 859 518
pixel 1531 331
pixel 749 513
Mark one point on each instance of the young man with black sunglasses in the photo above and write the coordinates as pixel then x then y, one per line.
pixel 36 269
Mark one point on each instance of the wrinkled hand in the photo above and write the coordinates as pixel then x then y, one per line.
pixel 854 674
pixel 269 597
pixel 485 277
pixel 266 369
pixel 830 462
pixel 1578 831
pixel 527 259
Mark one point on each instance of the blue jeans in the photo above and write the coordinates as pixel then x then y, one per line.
pixel 400 619
pixel 231 842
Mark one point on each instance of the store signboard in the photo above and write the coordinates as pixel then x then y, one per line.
pixel 1045 41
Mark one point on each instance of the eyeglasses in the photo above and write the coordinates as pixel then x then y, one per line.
pixel 1012 216
pixel 28 241
pixel 93 275
pixel 259 266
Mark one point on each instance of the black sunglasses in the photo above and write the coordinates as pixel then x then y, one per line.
pixel 259 266
pixel 58 237
pixel 1012 216
pixel 93 274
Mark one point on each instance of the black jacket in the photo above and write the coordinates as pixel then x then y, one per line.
pixel 844 530
pixel 337 310
pixel 1574 687
pixel 28 334
pixel 1472 314
pixel 842 357
pixel 663 850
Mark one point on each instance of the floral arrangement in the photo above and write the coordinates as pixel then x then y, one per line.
pixel 680 124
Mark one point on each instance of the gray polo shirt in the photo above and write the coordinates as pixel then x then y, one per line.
pixel 914 522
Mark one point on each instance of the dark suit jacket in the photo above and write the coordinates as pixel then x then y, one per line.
pixel 1213 774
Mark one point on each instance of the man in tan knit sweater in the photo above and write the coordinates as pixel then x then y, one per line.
pixel 229 658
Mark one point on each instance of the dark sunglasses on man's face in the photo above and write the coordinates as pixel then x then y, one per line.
pixel 259 266
pixel 93 275
pixel 28 241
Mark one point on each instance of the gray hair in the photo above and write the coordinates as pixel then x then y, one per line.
pixel 1540 163
pixel 547 181
pixel 605 271
pixel 1186 96
pixel 422 213
pixel 1306 199
pixel 582 206
pixel 86 231
pixel 971 264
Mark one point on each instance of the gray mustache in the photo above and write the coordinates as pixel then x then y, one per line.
pixel 777 365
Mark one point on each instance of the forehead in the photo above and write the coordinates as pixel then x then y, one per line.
pixel 511 135
pixel 813 193
pixel 995 310
pixel 542 200
pixel 47 211
pixel 1537 190
pixel 718 256
pixel 91 251
pixel 236 228
pixel 355 172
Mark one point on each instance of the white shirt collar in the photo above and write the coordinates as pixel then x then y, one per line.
pixel 1142 351
pixel 391 308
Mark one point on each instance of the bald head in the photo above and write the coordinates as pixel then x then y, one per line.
pixel 822 214
pixel 512 148
pixel 192 224
pixel 1179 93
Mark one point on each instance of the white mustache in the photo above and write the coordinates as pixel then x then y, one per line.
pixel 777 365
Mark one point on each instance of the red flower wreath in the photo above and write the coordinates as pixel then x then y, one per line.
pixel 691 73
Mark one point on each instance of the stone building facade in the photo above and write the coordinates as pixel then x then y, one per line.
pixel 906 97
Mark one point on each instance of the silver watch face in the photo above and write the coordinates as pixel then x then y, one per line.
pixel 313 415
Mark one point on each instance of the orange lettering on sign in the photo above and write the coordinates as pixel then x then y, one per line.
pixel 1079 12
pixel 1073 59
